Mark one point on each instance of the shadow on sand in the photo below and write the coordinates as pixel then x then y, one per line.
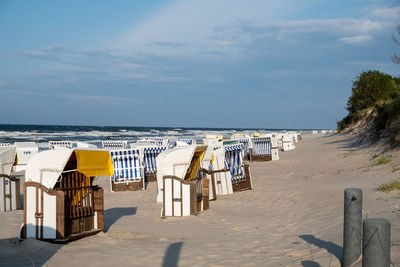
pixel 114 214
pixel 171 257
pixel 351 142
pixel 30 252
pixel 310 264
pixel 332 248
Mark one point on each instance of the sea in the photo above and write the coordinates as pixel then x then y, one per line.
pixel 42 134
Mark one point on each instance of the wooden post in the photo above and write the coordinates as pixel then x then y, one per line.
pixel 376 243
pixel 352 225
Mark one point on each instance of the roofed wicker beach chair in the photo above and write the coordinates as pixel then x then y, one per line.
pixel 9 186
pixel 240 172
pixel 158 141
pixel 187 141
pixel 114 144
pixel 274 147
pixel 260 149
pixel 60 144
pixel 246 141
pixel 24 150
pixel 128 170
pixel 150 163
pixel 5 144
pixel 182 188
pixel 60 201
pixel 288 142
pixel 222 175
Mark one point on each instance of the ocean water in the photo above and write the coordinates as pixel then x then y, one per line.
pixel 42 134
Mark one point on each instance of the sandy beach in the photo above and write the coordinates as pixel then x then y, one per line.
pixel 292 217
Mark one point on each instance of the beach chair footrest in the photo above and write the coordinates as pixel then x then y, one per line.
pixel 267 157
pixel 132 186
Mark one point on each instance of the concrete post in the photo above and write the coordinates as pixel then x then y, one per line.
pixel 376 243
pixel 352 226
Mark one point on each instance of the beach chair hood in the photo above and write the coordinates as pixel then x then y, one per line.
pixel 46 167
pixel 175 162
pixel 7 159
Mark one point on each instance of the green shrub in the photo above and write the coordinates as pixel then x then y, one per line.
pixel 388 114
pixel 370 88
pixel 393 185
pixel 383 160
pixel 374 89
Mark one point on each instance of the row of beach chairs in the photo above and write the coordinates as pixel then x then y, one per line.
pixel 61 202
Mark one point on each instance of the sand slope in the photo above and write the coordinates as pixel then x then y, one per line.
pixel 293 217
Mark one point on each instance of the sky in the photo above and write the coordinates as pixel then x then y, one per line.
pixel 185 63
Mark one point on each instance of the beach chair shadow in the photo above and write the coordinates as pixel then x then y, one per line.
pixel 310 264
pixel 171 257
pixel 29 252
pixel 331 247
pixel 114 214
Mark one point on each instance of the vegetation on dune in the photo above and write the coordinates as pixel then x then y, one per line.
pixel 378 94
pixel 395 169
pixel 374 104
pixel 383 160
pixel 391 186
pixel 371 87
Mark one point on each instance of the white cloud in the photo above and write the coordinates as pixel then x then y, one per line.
pixel 102 99
pixel 191 28
pixel 187 32
pixel 355 39
pixel 387 14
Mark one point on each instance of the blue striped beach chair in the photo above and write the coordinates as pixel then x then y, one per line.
pixel 159 141
pixel 240 172
pixel 261 149
pixel 128 170
pixel 150 154
pixel 246 141
pixel 114 144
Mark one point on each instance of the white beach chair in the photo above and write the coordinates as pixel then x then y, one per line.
pixel 222 174
pixel 61 203
pixel 288 142
pixel 114 144
pixel 5 144
pixel 158 141
pixel 24 150
pixel 61 144
pixel 9 186
pixel 180 187
pixel 274 147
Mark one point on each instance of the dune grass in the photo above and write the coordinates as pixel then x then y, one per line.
pixel 396 169
pixel 383 160
pixel 390 186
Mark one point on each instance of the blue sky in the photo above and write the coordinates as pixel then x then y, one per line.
pixel 209 63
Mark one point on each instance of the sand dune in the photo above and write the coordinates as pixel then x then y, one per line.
pixel 292 217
